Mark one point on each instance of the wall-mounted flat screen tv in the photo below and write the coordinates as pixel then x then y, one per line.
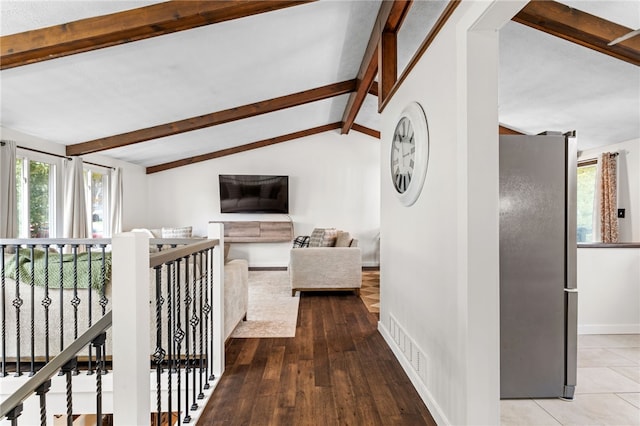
pixel 254 194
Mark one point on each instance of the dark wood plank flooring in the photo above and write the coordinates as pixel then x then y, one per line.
pixel 336 371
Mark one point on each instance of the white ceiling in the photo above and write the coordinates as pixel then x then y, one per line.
pixel 545 84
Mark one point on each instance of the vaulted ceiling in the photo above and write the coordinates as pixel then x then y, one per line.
pixel 172 83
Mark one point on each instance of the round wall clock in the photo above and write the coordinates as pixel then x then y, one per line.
pixel 410 153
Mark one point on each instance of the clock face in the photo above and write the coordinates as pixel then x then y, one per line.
pixel 409 154
pixel 403 153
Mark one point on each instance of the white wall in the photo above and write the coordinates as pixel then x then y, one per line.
pixel 628 185
pixel 134 177
pixel 333 182
pixel 608 290
pixel 439 258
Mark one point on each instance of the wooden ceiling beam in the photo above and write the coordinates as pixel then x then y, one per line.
pixel 390 17
pixel 212 119
pixel 444 17
pixel 242 148
pixel 366 130
pixel 123 27
pixel 507 131
pixel 387 64
pixel 579 27
pixel 373 90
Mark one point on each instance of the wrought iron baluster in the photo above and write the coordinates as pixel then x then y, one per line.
pixel 42 393
pixel 61 274
pixel 200 326
pixel 103 280
pixel 32 311
pixel 170 359
pixel 67 370
pixel 46 302
pixel 75 301
pixel 158 355
pixel 207 310
pixel 17 303
pixel 175 301
pixel 98 343
pixel 3 369
pixel 89 306
pixel 212 376
pixel 179 334
pixel 14 414
pixel 187 305
pixel 194 326
pixel 103 298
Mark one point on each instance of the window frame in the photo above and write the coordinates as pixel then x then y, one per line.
pixel 88 170
pixel 55 192
pixel 589 163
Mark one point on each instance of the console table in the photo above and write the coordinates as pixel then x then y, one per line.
pixel 257 231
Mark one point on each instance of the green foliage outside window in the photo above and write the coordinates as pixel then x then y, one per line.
pixel 586 199
pixel 39 190
pixel 39 178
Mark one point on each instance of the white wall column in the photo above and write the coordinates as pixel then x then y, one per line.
pixel 478 196
pixel 216 231
pixel 130 329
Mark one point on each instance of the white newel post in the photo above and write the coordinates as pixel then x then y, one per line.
pixel 216 231
pixel 130 331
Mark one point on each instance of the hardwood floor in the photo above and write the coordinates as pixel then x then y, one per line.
pixel 336 371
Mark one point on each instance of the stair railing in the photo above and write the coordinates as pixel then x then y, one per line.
pixel 66 362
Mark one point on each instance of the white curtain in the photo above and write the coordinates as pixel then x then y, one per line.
pixel 116 201
pixel 76 223
pixel 8 196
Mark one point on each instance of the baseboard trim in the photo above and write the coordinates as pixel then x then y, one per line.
pixel 284 268
pixel 418 384
pixel 267 268
pixel 609 329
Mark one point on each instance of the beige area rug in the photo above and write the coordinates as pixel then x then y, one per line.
pixel 272 311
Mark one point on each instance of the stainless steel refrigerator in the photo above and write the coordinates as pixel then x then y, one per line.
pixel 538 294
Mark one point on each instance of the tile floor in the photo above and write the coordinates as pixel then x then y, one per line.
pixel 607 391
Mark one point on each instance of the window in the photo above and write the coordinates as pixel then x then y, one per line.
pixel 35 184
pixel 586 198
pixel 97 196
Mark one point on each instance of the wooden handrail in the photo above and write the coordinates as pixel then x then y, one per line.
pixel 53 366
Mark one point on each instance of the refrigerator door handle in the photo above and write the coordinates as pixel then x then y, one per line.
pixel 571 290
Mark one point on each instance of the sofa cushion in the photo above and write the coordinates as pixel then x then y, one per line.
pixel 301 241
pixel 227 247
pixel 343 239
pixel 323 237
pixel 184 232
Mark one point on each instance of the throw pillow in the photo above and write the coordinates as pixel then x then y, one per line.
pixel 329 237
pixel 301 241
pixel 227 246
pixel 343 239
pixel 184 232
pixel 316 237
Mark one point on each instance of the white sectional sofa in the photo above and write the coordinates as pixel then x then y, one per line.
pixel 332 261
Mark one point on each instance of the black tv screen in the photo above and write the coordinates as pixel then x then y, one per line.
pixel 254 194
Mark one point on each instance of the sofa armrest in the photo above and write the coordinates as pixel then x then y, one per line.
pixel 236 294
pixel 325 268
